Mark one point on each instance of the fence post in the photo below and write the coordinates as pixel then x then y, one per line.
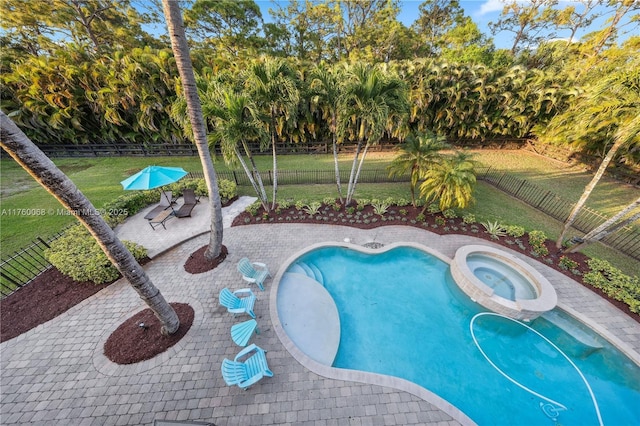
pixel 235 178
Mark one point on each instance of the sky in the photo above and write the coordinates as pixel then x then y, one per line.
pixel 481 11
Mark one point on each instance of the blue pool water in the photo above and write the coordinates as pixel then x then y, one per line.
pixel 402 315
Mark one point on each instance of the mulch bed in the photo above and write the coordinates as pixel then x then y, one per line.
pixel 139 338
pixel 197 264
pixel 47 296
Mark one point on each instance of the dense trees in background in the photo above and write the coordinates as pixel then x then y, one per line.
pixel 75 71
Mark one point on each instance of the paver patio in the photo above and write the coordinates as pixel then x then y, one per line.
pixel 57 374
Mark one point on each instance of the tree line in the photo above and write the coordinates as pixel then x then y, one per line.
pixel 90 71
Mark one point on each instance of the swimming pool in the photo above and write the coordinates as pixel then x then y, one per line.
pixel 401 315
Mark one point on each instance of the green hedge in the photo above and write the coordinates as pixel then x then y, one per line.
pixel 614 283
pixel 78 255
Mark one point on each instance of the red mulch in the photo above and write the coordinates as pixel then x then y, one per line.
pixel 197 264
pixel 48 296
pixel 139 338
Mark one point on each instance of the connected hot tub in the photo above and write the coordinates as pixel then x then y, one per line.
pixel 501 282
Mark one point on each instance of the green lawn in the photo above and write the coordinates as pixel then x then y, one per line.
pixel 29 211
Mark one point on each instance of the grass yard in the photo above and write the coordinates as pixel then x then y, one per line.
pixel 29 211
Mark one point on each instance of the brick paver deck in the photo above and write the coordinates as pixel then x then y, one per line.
pixel 56 373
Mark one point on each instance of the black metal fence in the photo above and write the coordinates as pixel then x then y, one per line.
pixel 302 177
pixel 24 265
pixel 626 239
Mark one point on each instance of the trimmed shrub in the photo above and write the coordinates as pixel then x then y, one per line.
pixel 78 255
pixel 514 231
pixel 614 283
pixel 537 240
pixel 228 190
pixel 469 218
pixel 128 204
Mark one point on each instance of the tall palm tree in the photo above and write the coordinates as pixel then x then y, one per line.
pixel 326 90
pixel 236 121
pixel 272 84
pixel 450 182
pixel 417 154
pixel 42 169
pixel 180 48
pixel 609 226
pixel 372 101
pixel 612 109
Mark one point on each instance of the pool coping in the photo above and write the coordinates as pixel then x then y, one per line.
pixel 356 375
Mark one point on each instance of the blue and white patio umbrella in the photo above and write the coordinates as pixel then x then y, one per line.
pixel 153 177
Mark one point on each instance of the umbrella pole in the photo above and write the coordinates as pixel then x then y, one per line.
pixel 164 194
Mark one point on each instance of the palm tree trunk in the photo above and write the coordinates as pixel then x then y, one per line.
pixel 261 194
pixel 364 155
pixel 185 68
pixel 275 169
pixel 588 189
pixel 38 165
pixel 609 226
pixel 334 144
pixel 352 175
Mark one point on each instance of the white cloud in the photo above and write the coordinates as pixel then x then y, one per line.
pixel 492 6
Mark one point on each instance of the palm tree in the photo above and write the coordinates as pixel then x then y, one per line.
pixel 33 160
pixel 611 109
pixel 272 84
pixel 416 155
pixel 609 226
pixel 450 182
pixel 373 100
pixel 236 121
pixel 185 68
pixel 326 90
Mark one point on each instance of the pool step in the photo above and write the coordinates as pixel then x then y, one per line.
pixel 309 270
pixel 317 274
pixel 585 342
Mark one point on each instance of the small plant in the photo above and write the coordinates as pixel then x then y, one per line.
pixel 494 229
pixel 252 209
pixel 362 203
pixel 380 207
pixel 440 221
pixel 404 212
pixel 301 204
pixel 350 210
pixel 469 218
pixel 514 231
pixel 537 240
pixel 265 215
pixel 421 217
pixel 285 204
pixel 313 208
pixel 449 214
pixel 328 200
pixel 433 208
pixel 567 264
